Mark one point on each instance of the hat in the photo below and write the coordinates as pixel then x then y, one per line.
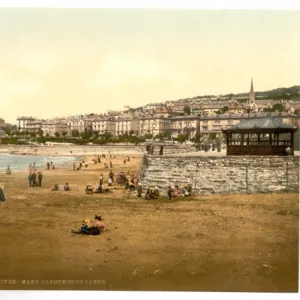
pixel 85 221
pixel 98 217
pixel 139 184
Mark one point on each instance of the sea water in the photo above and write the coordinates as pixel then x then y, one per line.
pixel 21 162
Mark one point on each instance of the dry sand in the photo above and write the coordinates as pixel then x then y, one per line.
pixel 210 243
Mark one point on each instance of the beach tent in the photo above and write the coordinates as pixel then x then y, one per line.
pixel 2 198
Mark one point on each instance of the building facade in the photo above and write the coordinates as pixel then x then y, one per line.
pixel 34 126
pixel 126 125
pixel 79 124
pixel 104 126
pixel 154 125
pixel 22 123
pixel 52 128
pixel 189 125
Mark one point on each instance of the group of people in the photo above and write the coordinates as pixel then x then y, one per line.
pixel 150 149
pixel 80 165
pixel 35 179
pixel 91 229
pixel 49 166
pixel 152 193
pixel 126 159
pixel 209 147
pixel 176 191
pixel 101 188
pixel 65 187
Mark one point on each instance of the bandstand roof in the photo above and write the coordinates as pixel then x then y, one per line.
pixel 261 124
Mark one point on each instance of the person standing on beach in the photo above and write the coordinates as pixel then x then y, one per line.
pixel 111 165
pixel 34 179
pixel 101 179
pixel 170 193
pixel 74 166
pixel 30 179
pixel 40 178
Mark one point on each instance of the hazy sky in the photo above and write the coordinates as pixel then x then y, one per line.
pixel 57 62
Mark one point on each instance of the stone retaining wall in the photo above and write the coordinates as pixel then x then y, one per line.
pixel 223 175
pixel 66 149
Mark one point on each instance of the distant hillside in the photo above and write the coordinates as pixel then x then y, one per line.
pixel 292 92
pixel 280 93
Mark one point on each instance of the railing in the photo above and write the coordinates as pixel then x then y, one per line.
pixel 258 150
pixel 260 143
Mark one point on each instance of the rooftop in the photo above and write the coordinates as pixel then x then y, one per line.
pixel 260 123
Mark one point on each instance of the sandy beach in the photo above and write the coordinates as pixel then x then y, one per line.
pixel 246 243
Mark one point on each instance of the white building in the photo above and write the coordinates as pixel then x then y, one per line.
pixel 154 125
pixel 127 124
pixel 79 124
pixel 185 125
pixel 50 128
pixel 22 123
pixel 104 125
pixel 34 126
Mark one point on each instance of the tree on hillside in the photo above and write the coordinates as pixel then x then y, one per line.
pixel 57 134
pixel 278 107
pixel 64 134
pixel 187 110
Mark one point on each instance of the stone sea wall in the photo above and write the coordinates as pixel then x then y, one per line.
pixel 69 149
pixel 223 175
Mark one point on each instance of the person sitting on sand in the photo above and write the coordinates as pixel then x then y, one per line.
pixel 98 224
pixel 85 229
pixel 89 189
pixel 99 189
pixel 55 188
pixel 139 190
pixel 66 187
pixel 148 194
pixel 105 188
pixel 156 193
pixel 109 181
pixel 84 226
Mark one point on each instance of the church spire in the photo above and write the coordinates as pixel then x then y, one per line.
pixel 251 95
pixel 251 90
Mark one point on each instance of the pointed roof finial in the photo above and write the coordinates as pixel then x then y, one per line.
pixel 251 90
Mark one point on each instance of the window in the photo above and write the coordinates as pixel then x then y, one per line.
pixel 229 122
pixel 205 122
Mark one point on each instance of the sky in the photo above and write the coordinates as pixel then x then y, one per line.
pixel 61 62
